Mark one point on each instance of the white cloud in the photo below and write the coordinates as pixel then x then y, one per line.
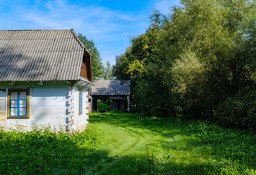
pixel 93 20
pixel 109 29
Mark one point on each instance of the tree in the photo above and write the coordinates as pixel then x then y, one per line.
pixel 205 44
pixel 142 64
pixel 97 66
pixel 199 60
pixel 121 67
pixel 108 71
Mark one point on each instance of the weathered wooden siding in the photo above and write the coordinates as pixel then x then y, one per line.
pixel 86 71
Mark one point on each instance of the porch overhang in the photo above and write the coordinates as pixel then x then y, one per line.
pixel 84 83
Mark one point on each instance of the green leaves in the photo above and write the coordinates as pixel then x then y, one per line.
pixel 207 51
pixel 194 60
pixel 108 71
pixel 187 72
pixel 136 68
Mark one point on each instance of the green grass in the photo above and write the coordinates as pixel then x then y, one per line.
pixel 121 143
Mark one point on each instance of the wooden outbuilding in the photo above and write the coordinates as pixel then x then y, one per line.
pixel 44 80
pixel 117 91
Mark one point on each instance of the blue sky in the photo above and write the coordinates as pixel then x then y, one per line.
pixel 109 23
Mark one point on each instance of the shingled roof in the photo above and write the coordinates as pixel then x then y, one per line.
pixel 111 87
pixel 40 55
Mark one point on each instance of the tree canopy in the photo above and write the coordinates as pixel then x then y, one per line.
pixel 197 62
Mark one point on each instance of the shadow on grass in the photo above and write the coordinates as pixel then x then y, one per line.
pixel 47 153
pixel 55 154
pixel 44 153
pixel 228 147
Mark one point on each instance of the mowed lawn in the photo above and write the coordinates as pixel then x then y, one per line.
pixel 122 143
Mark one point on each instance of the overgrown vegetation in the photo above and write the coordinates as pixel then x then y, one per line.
pixel 103 105
pixel 197 62
pixel 121 143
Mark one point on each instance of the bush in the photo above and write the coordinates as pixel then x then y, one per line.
pixel 102 106
pixel 239 111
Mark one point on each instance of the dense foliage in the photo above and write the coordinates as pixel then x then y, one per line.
pixel 195 62
pixel 121 143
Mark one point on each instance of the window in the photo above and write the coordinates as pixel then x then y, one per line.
pixel 80 102
pixel 18 103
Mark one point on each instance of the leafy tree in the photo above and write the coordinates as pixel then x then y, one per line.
pixel 121 67
pixel 198 61
pixel 142 64
pixel 97 66
pixel 108 71
pixel 213 33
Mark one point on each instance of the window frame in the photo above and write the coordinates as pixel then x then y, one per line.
pixel 18 101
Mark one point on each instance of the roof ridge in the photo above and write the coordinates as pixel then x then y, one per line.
pixel 77 38
pixel 79 41
pixel 37 30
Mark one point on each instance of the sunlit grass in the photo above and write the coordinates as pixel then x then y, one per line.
pixel 122 143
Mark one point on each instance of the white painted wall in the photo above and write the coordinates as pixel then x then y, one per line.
pixel 3 109
pixel 80 121
pixel 57 108
pixel 48 108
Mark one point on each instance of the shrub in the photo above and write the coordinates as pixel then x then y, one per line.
pixel 239 111
pixel 102 106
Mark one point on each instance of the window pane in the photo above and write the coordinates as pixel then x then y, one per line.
pixel 80 110
pixel 23 103
pixel 80 102
pixel 23 95
pixel 13 111
pixel 14 95
pixel 81 94
pixel 18 103
pixel 13 103
pixel 23 111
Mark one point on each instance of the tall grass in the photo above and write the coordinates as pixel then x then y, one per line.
pixel 121 143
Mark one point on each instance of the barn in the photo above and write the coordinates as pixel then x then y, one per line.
pixel 117 91
pixel 44 80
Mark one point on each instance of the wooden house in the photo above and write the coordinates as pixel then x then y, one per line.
pixel 44 80
pixel 118 91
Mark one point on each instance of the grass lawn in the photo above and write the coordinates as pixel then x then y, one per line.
pixel 121 143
